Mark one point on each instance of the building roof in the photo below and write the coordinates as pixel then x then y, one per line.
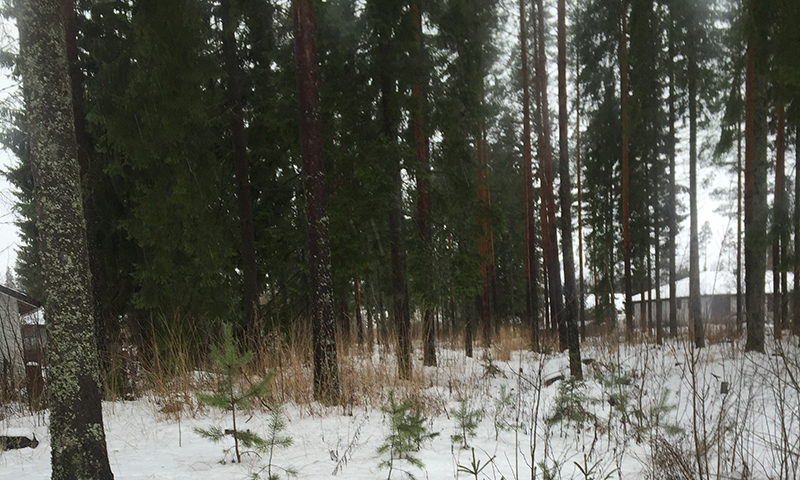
pixel 25 303
pixel 713 283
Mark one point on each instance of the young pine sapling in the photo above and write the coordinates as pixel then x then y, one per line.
pixel 228 394
pixel 407 431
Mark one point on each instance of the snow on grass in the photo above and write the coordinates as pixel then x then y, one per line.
pixel 644 410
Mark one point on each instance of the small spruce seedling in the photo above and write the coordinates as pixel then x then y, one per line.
pixel 229 396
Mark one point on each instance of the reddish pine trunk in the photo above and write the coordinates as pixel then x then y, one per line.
pixel 326 369
pixel 423 196
pixel 546 178
pixel 531 293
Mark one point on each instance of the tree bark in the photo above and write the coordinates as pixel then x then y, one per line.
pixel 531 281
pixel 581 299
pixel 423 196
pixel 755 198
pixel 76 418
pixel 546 178
pixel 778 228
pixel 359 320
pixel 695 314
pixel 626 209
pixel 103 326
pixel 484 238
pixel 247 242
pixel 323 330
pixel 565 194
pixel 796 291
pixel 389 110
pixel 673 203
pixel 739 298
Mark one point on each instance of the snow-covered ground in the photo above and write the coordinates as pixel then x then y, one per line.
pixel 643 411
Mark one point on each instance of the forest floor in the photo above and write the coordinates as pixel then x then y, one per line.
pixel 643 411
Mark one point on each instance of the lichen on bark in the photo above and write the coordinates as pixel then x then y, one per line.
pixel 76 421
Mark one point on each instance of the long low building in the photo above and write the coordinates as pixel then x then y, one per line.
pixel 717 297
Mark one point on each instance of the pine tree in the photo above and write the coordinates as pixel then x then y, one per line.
pixel 326 369
pixel 229 395
pixel 755 203
pixel 247 246
pixel 549 237
pixel 565 194
pixel 76 418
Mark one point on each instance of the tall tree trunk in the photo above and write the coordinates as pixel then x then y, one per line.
pixel 468 312
pixel 739 296
pixel 323 330
pixel 359 321
pixel 565 194
pixel 389 115
pixel 659 306
pixel 695 314
pixel 247 241
pixel 581 299
pixel 423 196
pixel 484 238
pixel 778 228
pixel 546 178
pixel 673 203
pixel 626 209
pixel 755 193
pixel 796 216
pixel 76 417
pixel 103 326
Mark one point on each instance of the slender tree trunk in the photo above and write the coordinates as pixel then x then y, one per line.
pixel 76 429
pixel 673 203
pixel 483 239
pixel 739 297
pixel 659 306
pixel 389 112
pixel 359 322
pixel 796 215
pixel 581 299
pixel 323 330
pixel 565 194
pixel 626 209
pixel 546 178
pixel 778 228
pixel 247 242
pixel 695 313
pixel 103 327
pixel 423 196
pixel 468 312
pixel 755 198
